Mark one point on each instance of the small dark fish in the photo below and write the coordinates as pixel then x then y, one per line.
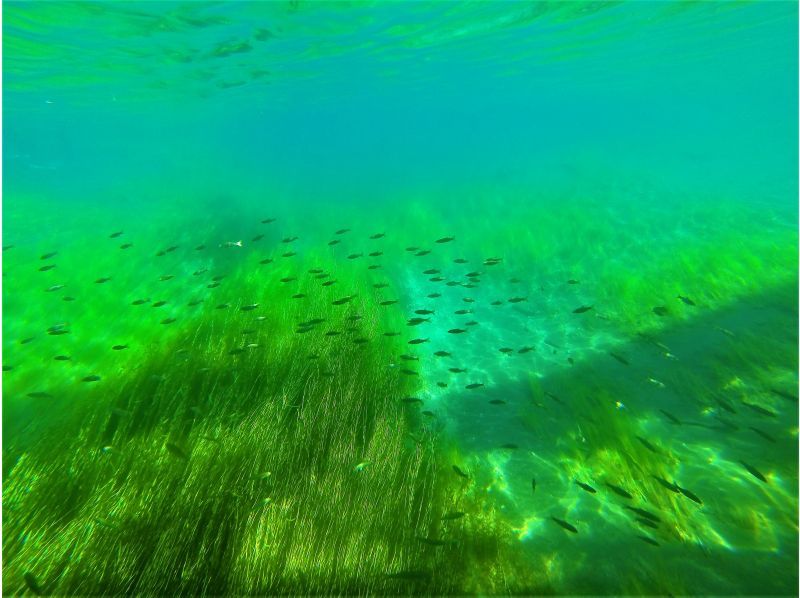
pixel 91 378
pixel 176 451
pixel 441 384
pixel 759 409
pixel 434 295
pixel 47 256
pixel 58 332
pixel 468 300
pixel 671 487
pixel 54 288
pixel 436 279
pixel 462 312
pixel 376 254
pixel 690 495
pixel 391 334
pixel 725 404
pixel 170 248
pixel 411 248
pixel 434 541
pixel 510 446
pixel 200 248
pixel 289 254
pixel 424 312
pixel 753 471
pixel 289 239
pixel 417 321
pixel 496 303
pixel 328 283
pixel 46 268
pixel 506 350
pixel 374 267
pixel 460 260
pixel 62 358
pixel 686 300
pixel 249 307
pixel 453 515
pixel 517 299
pixel 266 261
pixel 102 280
pixel 288 279
pixel 418 341
pixel 442 354
pixel 660 310
pixel 7 247
pixel 267 220
pixel 40 395
pixel 411 400
pixel 473 386
pixel 647 445
pixel 497 401
pixel 452 283
pixel 68 298
pixel 784 395
pixel 342 231
pixel 223 306
pixel 619 358
pixel 334 242
pixel 456 331
pixel 194 302
pixel 457 370
pixel 647 522
pixel 526 349
pixel 332 333
pixel 648 540
pixel 119 347
pixel 166 277
pixel 572 281
pixel 322 275
pixel 422 252
pixel 380 285
pixel 298 296
pixel 533 485
pixel 460 471
pixel 586 487
pixel 567 526
pixel 432 271
pixel 353 256
pixel 25 341
pixel 763 434
pixel 582 309
pixel 645 514
pixel 671 417
pixel 168 320
pixel 377 235
pixel 388 302
pixel 445 239
pixel 158 303
pixel 617 490
pixel 409 372
pixel 257 238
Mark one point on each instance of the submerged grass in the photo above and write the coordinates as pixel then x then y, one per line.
pixel 243 456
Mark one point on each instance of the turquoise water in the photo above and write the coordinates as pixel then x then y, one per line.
pixel 606 190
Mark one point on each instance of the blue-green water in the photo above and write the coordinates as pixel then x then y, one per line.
pixel 590 208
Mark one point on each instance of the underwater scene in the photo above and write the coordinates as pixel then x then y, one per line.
pixel 382 298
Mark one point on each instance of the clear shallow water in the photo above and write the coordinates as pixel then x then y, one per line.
pixel 612 156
